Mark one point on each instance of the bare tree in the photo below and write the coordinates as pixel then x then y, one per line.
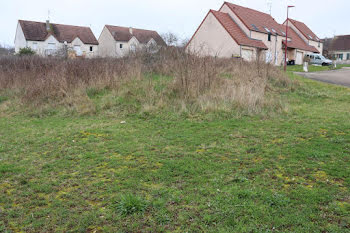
pixel 170 39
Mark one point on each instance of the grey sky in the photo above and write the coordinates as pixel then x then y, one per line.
pixel 324 17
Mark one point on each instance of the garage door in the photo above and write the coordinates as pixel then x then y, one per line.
pixel 299 60
pixel 247 54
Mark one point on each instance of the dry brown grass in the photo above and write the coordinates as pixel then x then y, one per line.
pixel 170 79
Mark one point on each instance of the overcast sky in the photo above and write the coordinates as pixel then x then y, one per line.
pixel 182 17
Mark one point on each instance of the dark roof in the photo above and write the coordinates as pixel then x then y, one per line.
pixel 143 36
pixel 255 20
pixel 305 30
pixel 36 31
pixel 235 31
pixel 338 43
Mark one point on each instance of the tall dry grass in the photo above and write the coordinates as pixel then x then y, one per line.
pixel 186 83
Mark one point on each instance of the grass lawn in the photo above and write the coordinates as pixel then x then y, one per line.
pixel 312 68
pixel 284 172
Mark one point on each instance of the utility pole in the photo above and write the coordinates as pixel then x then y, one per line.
pixel 286 42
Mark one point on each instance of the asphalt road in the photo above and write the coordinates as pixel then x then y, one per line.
pixel 338 77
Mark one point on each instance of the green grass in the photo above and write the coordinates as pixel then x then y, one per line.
pixel 312 68
pixel 284 172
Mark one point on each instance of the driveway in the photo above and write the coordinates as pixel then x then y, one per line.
pixel 338 77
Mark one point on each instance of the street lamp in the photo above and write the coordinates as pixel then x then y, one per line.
pixel 286 43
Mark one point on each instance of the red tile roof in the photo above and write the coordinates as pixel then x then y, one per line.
pixel 36 31
pixel 305 30
pixel 236 32
pixel 258 21
pixel 255 20
pixel 143 36
pixel 298 43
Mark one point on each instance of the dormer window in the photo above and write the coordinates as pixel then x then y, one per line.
pixel 255 27
pixel 267 29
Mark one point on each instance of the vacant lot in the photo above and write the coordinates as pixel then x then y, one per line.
pixel 282 169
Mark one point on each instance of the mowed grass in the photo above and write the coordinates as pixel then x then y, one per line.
pixel 284 172
pixel 313 68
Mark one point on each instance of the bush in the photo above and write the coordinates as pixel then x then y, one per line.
pixel 169 80
pixel 26 51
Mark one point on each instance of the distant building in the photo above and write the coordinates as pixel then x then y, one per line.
pixel 236 31
pixel 338 47
pixel 51 39
pixel 116 41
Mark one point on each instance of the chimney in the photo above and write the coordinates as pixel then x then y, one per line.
pixel 131 30
pixel 48 28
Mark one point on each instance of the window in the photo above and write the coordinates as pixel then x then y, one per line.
pixel 255 27
pixel 283 33
pixel 52 46
pixel 310 37
pixel 319 44
pixel 269 36
pixel 340 56
pixel 91 48
pixel 133 48
pixel 35 46
pixel 267 29
pixel 348 56
pixel 121 46
pixel 274 31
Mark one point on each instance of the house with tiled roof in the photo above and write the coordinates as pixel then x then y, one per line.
pixel 338 47
pixel 236 31
pixel 55 39
pixel 116 41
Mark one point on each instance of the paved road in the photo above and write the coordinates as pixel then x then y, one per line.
pixel 338 77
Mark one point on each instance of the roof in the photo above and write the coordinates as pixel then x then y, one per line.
pixel 236 32
pixel 255 20
pixel 339 43
pixel 298 43
pixel 261 22
pixel 305 30
pixel 143 36
pixel 36 31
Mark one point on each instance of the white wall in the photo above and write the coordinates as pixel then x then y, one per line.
pixel 107 45
pixel 20 40
pixel 212 39
pixel 85 48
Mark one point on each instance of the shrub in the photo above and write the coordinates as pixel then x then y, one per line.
pixel 170 79
pixel 26 51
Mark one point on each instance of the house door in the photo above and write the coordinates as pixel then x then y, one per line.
pixel 247 54
pixel 77 50
pixel 299 60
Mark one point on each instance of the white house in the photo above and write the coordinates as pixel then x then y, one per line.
pixel 116 41
pixel 236 31
pixel 51 39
